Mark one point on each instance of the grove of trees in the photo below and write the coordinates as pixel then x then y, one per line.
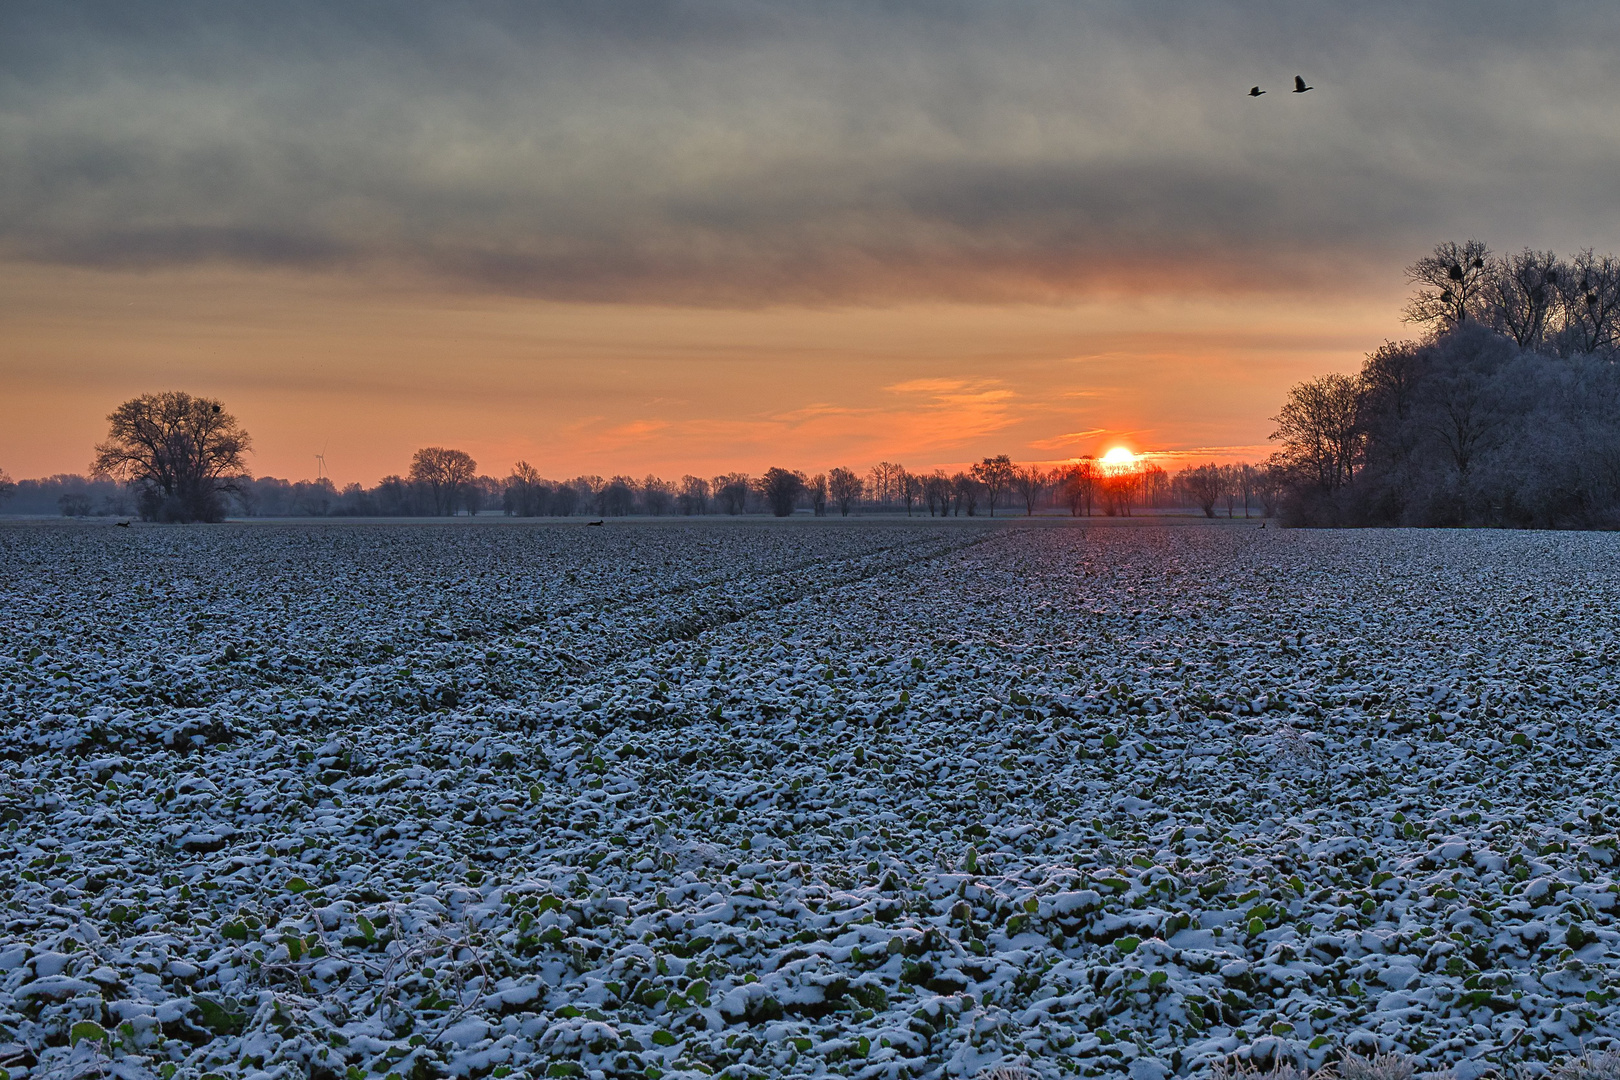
pixel 1504 412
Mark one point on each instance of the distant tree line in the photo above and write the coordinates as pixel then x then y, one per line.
pixel 172 457
pixel 1505 412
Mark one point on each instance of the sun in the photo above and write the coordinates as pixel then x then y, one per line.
pixel 1117 457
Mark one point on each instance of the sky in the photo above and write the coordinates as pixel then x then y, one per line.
pixel 699 237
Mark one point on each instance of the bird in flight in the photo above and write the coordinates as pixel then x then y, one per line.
pixel 1255 91
pixel 1299 85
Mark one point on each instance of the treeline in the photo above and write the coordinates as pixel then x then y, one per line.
pixel 1506 412
pixel 66 494
pixel 446 482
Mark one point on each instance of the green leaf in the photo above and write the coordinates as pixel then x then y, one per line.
pixel 366 928
pixel 1127 944
pixel 663 1038
pixel 87 1029
pixel 295 948
pixel 217 1018
pixel 863 1046
pixel 568 1012
pixel 236 931
pixel 298 885
pixel 1257 925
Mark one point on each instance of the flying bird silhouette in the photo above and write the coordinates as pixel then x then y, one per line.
pixel 1299 85
pixel 1255 91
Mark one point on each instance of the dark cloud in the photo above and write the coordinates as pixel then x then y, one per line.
pixel 827 153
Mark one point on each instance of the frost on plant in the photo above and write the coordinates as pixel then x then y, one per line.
pixel 891 801
pixel 1591 1065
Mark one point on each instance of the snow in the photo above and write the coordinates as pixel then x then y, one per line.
pixel 878 799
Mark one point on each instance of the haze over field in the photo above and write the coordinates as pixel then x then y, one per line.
pixel 704 237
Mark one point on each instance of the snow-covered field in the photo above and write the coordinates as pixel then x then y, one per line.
pixel 883 799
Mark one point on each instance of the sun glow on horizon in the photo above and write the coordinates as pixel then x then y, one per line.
pixel 1118 457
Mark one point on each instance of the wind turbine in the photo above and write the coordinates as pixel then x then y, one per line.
pixel 320 465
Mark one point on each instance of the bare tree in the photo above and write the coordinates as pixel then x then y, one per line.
pixel 444 477
pixel 1247 479
pixel 1229 489
pixel 1155 485
pixel 657 496
pixel 818 494
pixel 566 498
pixel 1268 489
pixel 617 497
pixel 910 488
pixel 1520 295
pixel 1321 439
pixel 845 488
pixel 8 487
pixel 693 496
pixel 937 493
pixel 524 494
pixel 1203 485
pixel 1120 487
pixel 1589 293
pixel 1451 282
pixel 883 482
pixel 968 489
pixel 181 454
pixel 781 488
pixel 1029 481
pixel 996 474
pixel 731 492
pixel 1079 485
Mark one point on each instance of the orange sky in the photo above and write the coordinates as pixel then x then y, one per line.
pixel 702 236
pixel 369 374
